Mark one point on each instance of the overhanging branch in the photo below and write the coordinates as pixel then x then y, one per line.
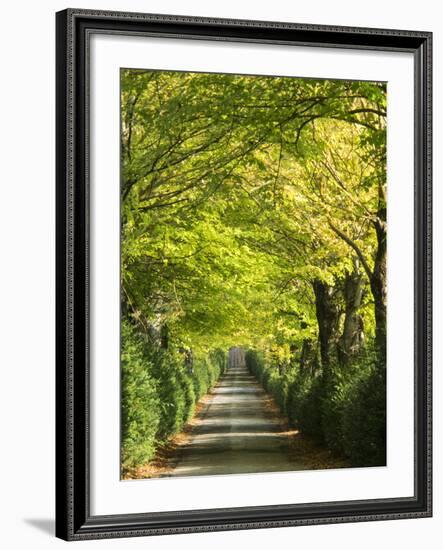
pixel 354 246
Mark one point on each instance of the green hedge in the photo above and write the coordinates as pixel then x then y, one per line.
pixel 140 402
pixel 305 401
pixel 345 410
pixel 364 419
pixel 159 393
pixel 206 372
pixel 354 412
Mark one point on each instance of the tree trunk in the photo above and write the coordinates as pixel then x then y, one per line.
pixel 164 336
pixel 376 276
pixel 293 352
pixel 378 289
pixel 352 337
pixel 308 353
pixel 328 314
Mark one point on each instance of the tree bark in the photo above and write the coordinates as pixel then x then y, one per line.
pixel 352 337
pixel 376 276
pixel 378 288
pixel 308 353
pixel 164 336
pixel 328 315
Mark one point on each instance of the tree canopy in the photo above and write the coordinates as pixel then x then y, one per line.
pixel 239 193
pixel 253 214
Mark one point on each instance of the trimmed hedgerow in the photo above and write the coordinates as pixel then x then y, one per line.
pixel 344 410
pixel 159 393
pixel 140 402
pixel 364 419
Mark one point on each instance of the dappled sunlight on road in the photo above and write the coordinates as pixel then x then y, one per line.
pixel 236 432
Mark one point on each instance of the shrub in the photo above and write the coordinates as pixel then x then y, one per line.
pixel 276 384
pixel 304 404
pixel 159 393
pixel 140 402
pixel 200 379
pixel 336 391
pixel 364 419
pixel 296 394
pixel 311 409
pixel 187 385
pixel 218 360
pixel 353 416
pixel 176 397
pixel 207 371
pixel 344 409
pixel 279 386
pixel 255 363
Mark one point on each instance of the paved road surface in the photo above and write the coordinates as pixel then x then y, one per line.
pixel 236 433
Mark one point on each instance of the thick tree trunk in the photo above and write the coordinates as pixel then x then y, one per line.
pixel 328 315
pixel 308 353
pixel 378 289
pixel 376 276
pixel 352 336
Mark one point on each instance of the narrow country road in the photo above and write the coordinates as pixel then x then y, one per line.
pixel 236 432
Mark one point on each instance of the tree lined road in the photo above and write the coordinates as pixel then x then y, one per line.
pixel 253 210
pixel 236 432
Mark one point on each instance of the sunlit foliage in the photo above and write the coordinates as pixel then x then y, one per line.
pixel 253 213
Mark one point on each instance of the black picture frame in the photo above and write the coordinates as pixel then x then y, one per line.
pixel 73 518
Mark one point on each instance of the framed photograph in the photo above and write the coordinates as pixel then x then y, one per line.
pixel 243 274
